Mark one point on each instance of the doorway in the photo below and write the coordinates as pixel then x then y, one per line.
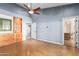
pixel 70 31
pixel 28 29
pixel 33 31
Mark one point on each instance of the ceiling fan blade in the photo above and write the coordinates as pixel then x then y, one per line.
pixel 27 7
pixel 36 12
pixel 37 9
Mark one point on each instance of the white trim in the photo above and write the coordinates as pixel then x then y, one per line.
pixel 63 31
pixel 7 17
pixel 50 41
pixel 63 27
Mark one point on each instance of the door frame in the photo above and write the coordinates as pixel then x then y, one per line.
pixel 63 20
pixel 35 31
pixel 30 29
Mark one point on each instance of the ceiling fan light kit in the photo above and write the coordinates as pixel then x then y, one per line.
pixel 31 12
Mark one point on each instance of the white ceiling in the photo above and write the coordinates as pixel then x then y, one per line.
pixel 45 5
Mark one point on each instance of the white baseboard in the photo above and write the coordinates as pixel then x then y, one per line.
pixel 51 42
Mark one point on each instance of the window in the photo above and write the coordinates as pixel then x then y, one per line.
pixel 5 24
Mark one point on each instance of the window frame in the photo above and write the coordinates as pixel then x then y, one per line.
pixel 7 18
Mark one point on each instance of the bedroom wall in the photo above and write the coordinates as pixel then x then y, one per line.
pixel 12 9
pixel 49 22
pixel 7 38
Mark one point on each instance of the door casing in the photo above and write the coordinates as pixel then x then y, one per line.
pixel 76 40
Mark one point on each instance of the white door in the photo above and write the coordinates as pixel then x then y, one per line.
pixel 33 30
pixel 28 27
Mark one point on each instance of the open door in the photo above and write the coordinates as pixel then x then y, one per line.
pixel 70 31
pixel 33 30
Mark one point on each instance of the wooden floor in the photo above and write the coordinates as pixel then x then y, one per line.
pixel 33 47
pixel 69 43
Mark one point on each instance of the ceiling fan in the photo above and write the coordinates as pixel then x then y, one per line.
pixel 32 10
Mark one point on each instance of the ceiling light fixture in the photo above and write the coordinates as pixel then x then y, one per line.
pixel 31 12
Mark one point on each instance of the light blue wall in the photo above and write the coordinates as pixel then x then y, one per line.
pixel 12 9
pixel 52 17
